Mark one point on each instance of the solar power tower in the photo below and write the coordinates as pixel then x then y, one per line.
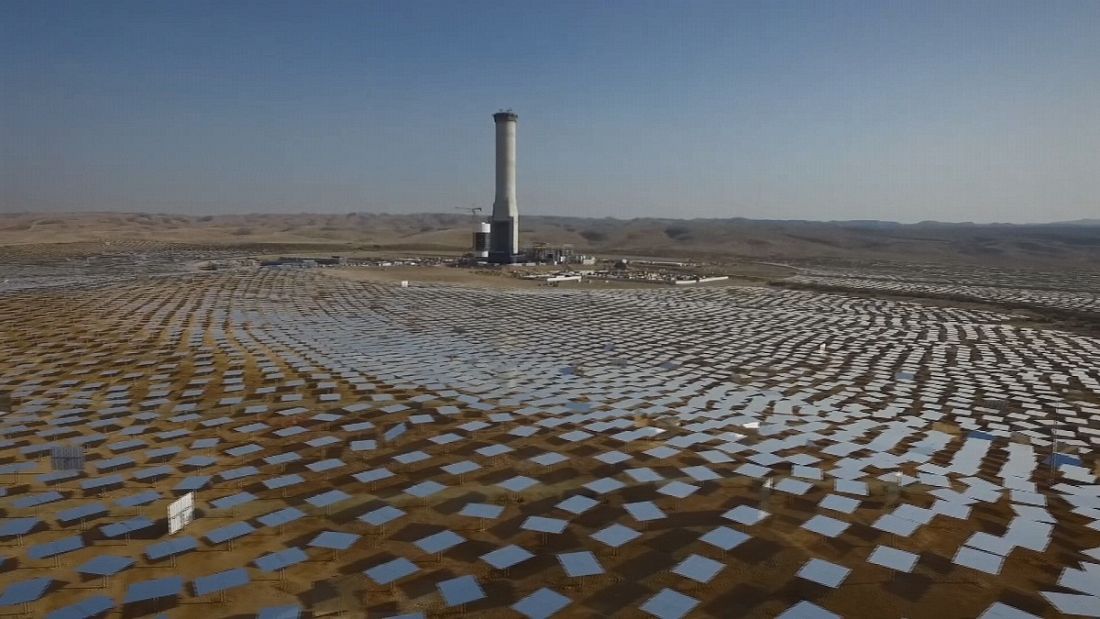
pixel 504 224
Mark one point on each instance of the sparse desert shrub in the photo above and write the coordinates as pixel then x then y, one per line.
pixel 677 232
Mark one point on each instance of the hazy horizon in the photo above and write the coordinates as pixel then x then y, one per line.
pixel 953 112
pixel 1090 221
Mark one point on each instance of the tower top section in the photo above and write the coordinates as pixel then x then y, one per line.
pixel 506 116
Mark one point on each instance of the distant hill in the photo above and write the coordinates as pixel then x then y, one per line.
pixel 1074 244
pixel 1080 222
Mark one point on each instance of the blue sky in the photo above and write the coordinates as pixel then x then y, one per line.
pixel 956 111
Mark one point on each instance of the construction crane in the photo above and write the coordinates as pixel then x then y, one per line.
pixel 480 244
pixel 474 210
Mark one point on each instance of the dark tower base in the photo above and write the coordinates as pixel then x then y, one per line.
pixel 501 250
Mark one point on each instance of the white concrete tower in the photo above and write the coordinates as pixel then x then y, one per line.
pixel 504 238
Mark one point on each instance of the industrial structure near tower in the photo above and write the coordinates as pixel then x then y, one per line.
pixel 496 241
pixel 504 224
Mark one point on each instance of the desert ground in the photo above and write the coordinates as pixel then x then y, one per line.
pixel 823 437
pixel 1056 246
